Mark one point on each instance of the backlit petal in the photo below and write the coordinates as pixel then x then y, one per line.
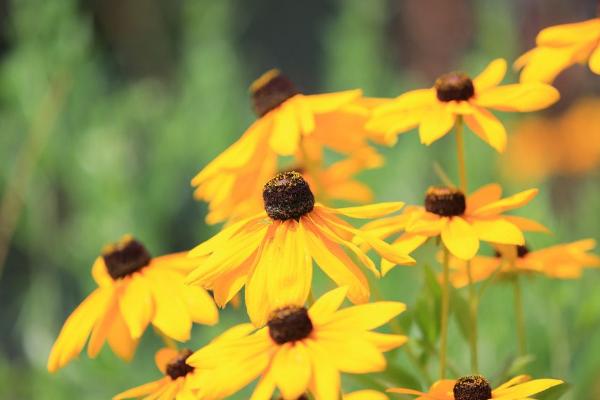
pixel 515 201
pixel 498 231
pixel 491 76
pixel 292 369
pixel 285 137
pixel 460 238
pixel 136 305
pixel 485 125
pixel 484 195
pixel 436 123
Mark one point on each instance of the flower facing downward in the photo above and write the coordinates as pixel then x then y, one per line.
pixel 289 122
pixel 558 47
pixel 454 95
pixel 563 261
pixel 271 253
pixel 180 380
pixel 461 221
pixel 477 387
pixel 300 350
pixel 134 290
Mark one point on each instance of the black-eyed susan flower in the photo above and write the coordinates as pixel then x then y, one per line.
pixel 562 261
pixel 454 95
pixel 477 387
pixel 179 382
pixel 461 221
pixel 558 47
pixel 288 124
pixel 134 290
pixel 272 252
pixel 301 350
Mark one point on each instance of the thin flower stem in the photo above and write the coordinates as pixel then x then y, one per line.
pixel 445 313
pixel 460 153
pixel 473 308
pixel 521 334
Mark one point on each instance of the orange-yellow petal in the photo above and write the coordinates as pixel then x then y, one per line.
pixel 491 76
pixel 594 61
pixel 292 369
pixel 523 97
pixel 485 125
pixel 437 122
pixel 524 390
pixel 498 230
pixel 460 238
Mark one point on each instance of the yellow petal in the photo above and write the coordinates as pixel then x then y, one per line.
pixel 436 123
pixel 102 327
pixel 484 195
pixel 566 34
pixel 491 76
pixel 513 381
pixel 498 231
pixel 143 390
pixel 325 382
pixel 409 101
pixel 285 137
pixel 526 224
pixel 543 64
pixel 405 244
pixel 171 314
pixel 385 342
pixel 369 211
pixel 100 273
pixel 526 389
pixel 120 340
pixel 594 62
pixel 136 305
pixel 510 203
pixel 327 304
pixel 306 119
pixel 352 354
pixel 529 96
pixel 265 387
pixel 365 316
pixel 365 395
pixel 460 238
pixel 327 102
pixel 163 357
pixel 292 370
pixel 200 305
pixel 485 125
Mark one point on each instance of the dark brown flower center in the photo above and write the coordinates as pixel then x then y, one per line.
pixel 125 257
pixel 303 397
pixel 287 196
pixel 447 202
pixel 270 91
pixel 522 251
pixel 474 387
pixel 178 368
pixel 454 86
pixel 289 324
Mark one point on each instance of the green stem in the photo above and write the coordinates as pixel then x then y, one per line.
pixel 473 308
pixel 521 334
pixel 445 313
pixel 460 153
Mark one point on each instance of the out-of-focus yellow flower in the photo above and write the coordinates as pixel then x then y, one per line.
pixel 478 388
pixel 272 252
pixel 460 221
pixel 558 47
pixel 301 350
pixel 365 395
pixel 289 124
pixel 435 110
pixel 134 290
pixel 179 382
pixel 562 261
pixel 566 145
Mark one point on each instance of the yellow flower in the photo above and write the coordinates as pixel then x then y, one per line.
pixel 180 380
pixel 301 350
pixel 288 123
pixel 272 252
pixel 543 147
pixel 478 388
pixel 558 47
pixel 460 222
pixel 563 261
pixel 435 110
pixel 365 395
pixel 133 291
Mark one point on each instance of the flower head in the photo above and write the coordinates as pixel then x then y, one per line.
pixel 558 47
pixel 271 252
pixel 134 290
pixel 477 387
pixel 454 95
pixel 461 221
pixel 289 123
pixel 301 350
pixel 563 261
pixel 180 380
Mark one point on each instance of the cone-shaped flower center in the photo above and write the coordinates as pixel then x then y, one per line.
pixel 125 257
pixel 270 91
pixel 287 196
pixel 289 324
pixel 522 251
pixel 447 202
pixel 178 368
pixel 472 388
pixel 454 86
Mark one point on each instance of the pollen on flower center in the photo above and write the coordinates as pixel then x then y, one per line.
pixel 447 202
pixel 287 196
pixel 125 257
pixel 289 324
pixel 178 368
pixel 474 387
pixel 454 86
pixel 270 91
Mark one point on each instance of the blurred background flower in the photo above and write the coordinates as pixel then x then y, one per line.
pixel 108 109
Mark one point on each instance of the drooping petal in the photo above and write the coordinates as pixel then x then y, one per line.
pixel 485 125
pixel 292 369
pixel 327 102
pixel 526 224
pixel 265 387
pixel 100 273
pixel 491 76
pixel 523 97
pixel 498 230
pixel 325 382
pixel 406 244
pixel 200 304
pixel 436 123
pixel 285 136
pixel 136 305
pixel 103 326
pixel 120 340
pixel 460 238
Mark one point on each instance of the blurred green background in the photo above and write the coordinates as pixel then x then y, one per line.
pixel 109 107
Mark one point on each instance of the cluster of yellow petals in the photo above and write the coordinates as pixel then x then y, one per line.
pixel 559 47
